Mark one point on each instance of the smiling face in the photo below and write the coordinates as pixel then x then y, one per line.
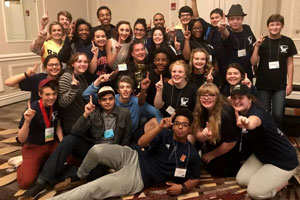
pixel 158 37
pixel 64 21
pixel 125 90
pixel 48 96
pixel 104 17
pixel 158 20
pixel 199 60
pixel 235 23
pixel 241 103
pixel 107 102
pixel 139 53
pixel 275 28
pixel 124 32
pixel 83 31
pixel 208 100
pixel 233 76
pixel 53 67
pixel 56 32
pixel 100 38
pixel 160 62
pixel 139 31
pixel 81 65
pixel 185 18
pixel 197 29
pixel 215 18
pixel 181 128
pixel 178 74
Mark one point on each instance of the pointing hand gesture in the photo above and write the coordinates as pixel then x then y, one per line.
pixel 29 113
pixel 94 50
pixel 45 20
pixel 247 81
pixel 102 79
pixel 241 121
pixel 145 82
pixel 74 80
pixel 159 85
pixel 259 41
pixel 221 25
pixel 209 77
pixel 89 107
pixel 206 131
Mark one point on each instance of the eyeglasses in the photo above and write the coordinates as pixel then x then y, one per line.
pixel 184 124
pixel 185 15
pixel 139 30
pixel 207 96
pixel 197 29
pixel 53 64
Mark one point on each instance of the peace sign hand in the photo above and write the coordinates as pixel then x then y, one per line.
pixel 31 70
pixel 74 81
pixel 29 113
pixel 209 77
pixel 45 20
pixel 160 85
pixel 94 50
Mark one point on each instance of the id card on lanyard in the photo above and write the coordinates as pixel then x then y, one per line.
pixel 49 131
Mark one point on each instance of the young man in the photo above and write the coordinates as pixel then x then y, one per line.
pixel 127 100
pixel 274 53
pixel 104 17
pixel 40 132
pixel 159 20
pixel 170 157
pixel 65 18
pixel 107 124
pixel 238 40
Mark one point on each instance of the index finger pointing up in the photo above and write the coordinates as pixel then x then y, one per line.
pixel 91 99
pixel 93 43
pixel 28 105
pixel 236 114
pixel 161 78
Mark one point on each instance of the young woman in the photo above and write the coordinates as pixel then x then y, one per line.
pixel 71 85
pixel 215 132
pixel 276 66
pixel 235 74
pixel 194 38
pixel 274 159
pixel 117 47
pixel 201 69
pixel 139 31
pixel 78 40
pixel 29 80
pixel 44 47
pixel 177 92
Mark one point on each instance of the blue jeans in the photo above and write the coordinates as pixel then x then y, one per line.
pixel 276 99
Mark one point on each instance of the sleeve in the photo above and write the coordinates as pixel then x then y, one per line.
pixel 91 90
pixel 27 83
pixel 292 48
pixel 67 92
pixel 229 131
pixel 81 125
pixel 127 134
pixel 66 51
pixel 151 111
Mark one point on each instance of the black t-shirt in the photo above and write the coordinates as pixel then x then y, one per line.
pixel 229 132
pixel 269 143
pixel 158 163
pixel 199 79
pixel 238 41
pixel 176 98
pixel 32 84
pixel 274 50
pixel 37 126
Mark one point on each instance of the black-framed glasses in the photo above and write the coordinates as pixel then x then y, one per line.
pixel 184 124
pixel 207 96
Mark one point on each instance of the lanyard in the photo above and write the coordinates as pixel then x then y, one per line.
pixel 175 151
pixel 181 90
pixel 270 56
pixel 46 119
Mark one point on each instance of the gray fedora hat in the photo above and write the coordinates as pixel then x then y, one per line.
pixel 236 10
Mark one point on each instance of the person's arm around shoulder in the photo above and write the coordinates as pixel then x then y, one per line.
pixel 24 131
pixel 255 57
pixel 147 137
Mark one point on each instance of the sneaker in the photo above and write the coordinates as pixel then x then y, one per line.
pixel 69 183
pixel 34 191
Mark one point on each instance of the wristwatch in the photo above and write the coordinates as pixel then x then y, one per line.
pixel 183 189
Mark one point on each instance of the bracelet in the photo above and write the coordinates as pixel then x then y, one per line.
pixel 26 75
pixel 183 189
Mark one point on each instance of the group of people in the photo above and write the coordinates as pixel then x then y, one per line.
pixel 134 107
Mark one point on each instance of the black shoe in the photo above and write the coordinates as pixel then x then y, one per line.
pixel 34 191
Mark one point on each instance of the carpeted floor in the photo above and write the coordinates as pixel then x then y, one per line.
pixel 210 188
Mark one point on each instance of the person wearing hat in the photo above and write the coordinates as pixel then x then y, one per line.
pixel 238 39
pixel 274 159
pixel 39 132
pixel 107 124
pixel 170 159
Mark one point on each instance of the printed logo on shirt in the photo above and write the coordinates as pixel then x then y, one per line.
pixel 54 115
pixel 280 132
pixel 283 48
pixel 250 40
pixel 184 101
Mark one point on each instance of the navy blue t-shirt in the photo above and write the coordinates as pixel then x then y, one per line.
pixel 37 126
pixel 269 143
pixel 32 84
pixel 158 163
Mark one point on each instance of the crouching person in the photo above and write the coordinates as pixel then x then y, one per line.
pixel 108 124
pixel 170 157
pixel 40 132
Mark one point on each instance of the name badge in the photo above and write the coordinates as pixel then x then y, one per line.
pixel 49 134
pixel 180 172
pixel 170 110
pixel 210 58
pixel 122 67
pixel 274 65
pixel 242 53
pixel 109 133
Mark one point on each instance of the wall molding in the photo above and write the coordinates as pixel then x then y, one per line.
pixel 13 98
pixel 18 56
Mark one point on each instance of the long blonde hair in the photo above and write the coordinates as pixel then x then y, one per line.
pixel 201 115
pixel 208 65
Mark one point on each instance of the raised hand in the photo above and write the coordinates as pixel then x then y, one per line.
pixel 31 70
pixel 94 50
pixel 209 77
pixel 241 121
pixel 145 82
pixel 29 113
pixel 222 25
pixel 72 30
pixel 176 44
pixel 160 85
pixel 89 107
pixel 45 20
pixel 102 79
pixel 149 25
pixel 187 34
pixel 247 81
pixel 74 80
pixel 259 41
pixel 171 32
pixel 166 122
pixel 207 131
pixel 119 45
